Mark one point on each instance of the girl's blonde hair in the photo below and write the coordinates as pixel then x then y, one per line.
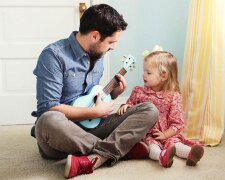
pixel 167 65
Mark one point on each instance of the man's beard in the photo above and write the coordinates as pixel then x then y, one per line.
pixel 94 56
pixel 93 53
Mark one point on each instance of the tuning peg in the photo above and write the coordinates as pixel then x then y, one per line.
pixel 123 58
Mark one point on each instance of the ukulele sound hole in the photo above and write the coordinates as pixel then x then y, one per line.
pixel 95 99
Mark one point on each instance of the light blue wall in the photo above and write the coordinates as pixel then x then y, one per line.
pixel 150 22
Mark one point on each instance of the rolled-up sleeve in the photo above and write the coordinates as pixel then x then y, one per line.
pixel 49 74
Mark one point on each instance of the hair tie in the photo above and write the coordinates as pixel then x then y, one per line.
pixel 156 48
pixel 145 53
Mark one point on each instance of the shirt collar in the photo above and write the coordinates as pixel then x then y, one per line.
pixel 77 50
pixel 158 94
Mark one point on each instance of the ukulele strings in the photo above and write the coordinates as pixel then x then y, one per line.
pixel 110 86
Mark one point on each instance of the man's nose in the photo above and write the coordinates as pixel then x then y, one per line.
pixel 110 49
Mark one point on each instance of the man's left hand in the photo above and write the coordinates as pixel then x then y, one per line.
pixel 121 88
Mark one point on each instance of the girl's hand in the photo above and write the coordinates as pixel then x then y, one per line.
pixel 159 135
pixel 123 109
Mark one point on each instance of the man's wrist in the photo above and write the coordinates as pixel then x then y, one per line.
pixel 94 112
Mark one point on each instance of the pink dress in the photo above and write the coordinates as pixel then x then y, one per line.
pixel 170 114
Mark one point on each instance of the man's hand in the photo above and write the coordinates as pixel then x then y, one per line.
pixel 121 88
pixel 103 109
pixel 123 109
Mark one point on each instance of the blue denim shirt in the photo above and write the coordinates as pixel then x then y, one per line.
pixel 63 74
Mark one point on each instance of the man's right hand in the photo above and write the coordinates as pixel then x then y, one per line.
pixel 103 109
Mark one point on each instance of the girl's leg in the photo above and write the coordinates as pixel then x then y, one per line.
pixel 182 150
pixel 154 151
pixel 165 156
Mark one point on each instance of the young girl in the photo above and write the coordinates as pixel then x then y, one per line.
pixel 161 88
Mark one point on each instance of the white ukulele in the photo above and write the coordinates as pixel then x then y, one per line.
pixel 89 99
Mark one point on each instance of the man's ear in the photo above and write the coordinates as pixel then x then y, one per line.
pixel 95 36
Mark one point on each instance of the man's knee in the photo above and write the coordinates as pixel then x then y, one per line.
pixel 47 121
pixel 50 117
pixel 152 113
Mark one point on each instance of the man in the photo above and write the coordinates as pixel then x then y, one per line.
pixel 68 69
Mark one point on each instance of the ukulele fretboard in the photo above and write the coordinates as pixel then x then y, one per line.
pixel 113 83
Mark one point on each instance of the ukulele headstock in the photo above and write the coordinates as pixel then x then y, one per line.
pixel 128 62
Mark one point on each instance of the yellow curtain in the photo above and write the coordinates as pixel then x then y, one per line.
pixel 203 75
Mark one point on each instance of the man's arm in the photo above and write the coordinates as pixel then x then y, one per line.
pixel 101 109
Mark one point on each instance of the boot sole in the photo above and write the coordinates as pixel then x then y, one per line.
pixel 196 154
pixel 170 158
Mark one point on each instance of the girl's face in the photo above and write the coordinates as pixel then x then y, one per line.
pixel 151 77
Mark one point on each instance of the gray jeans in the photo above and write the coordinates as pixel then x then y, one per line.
pixel 113 138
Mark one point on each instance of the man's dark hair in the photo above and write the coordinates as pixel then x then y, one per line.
pixel 102 18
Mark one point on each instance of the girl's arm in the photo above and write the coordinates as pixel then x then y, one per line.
pixel 175 120
pixel 169 133
pixel 176 116
pixel 159 135
pixel 132 100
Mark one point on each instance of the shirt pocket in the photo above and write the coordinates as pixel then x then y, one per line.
pixel 96 76
pixel 73 83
